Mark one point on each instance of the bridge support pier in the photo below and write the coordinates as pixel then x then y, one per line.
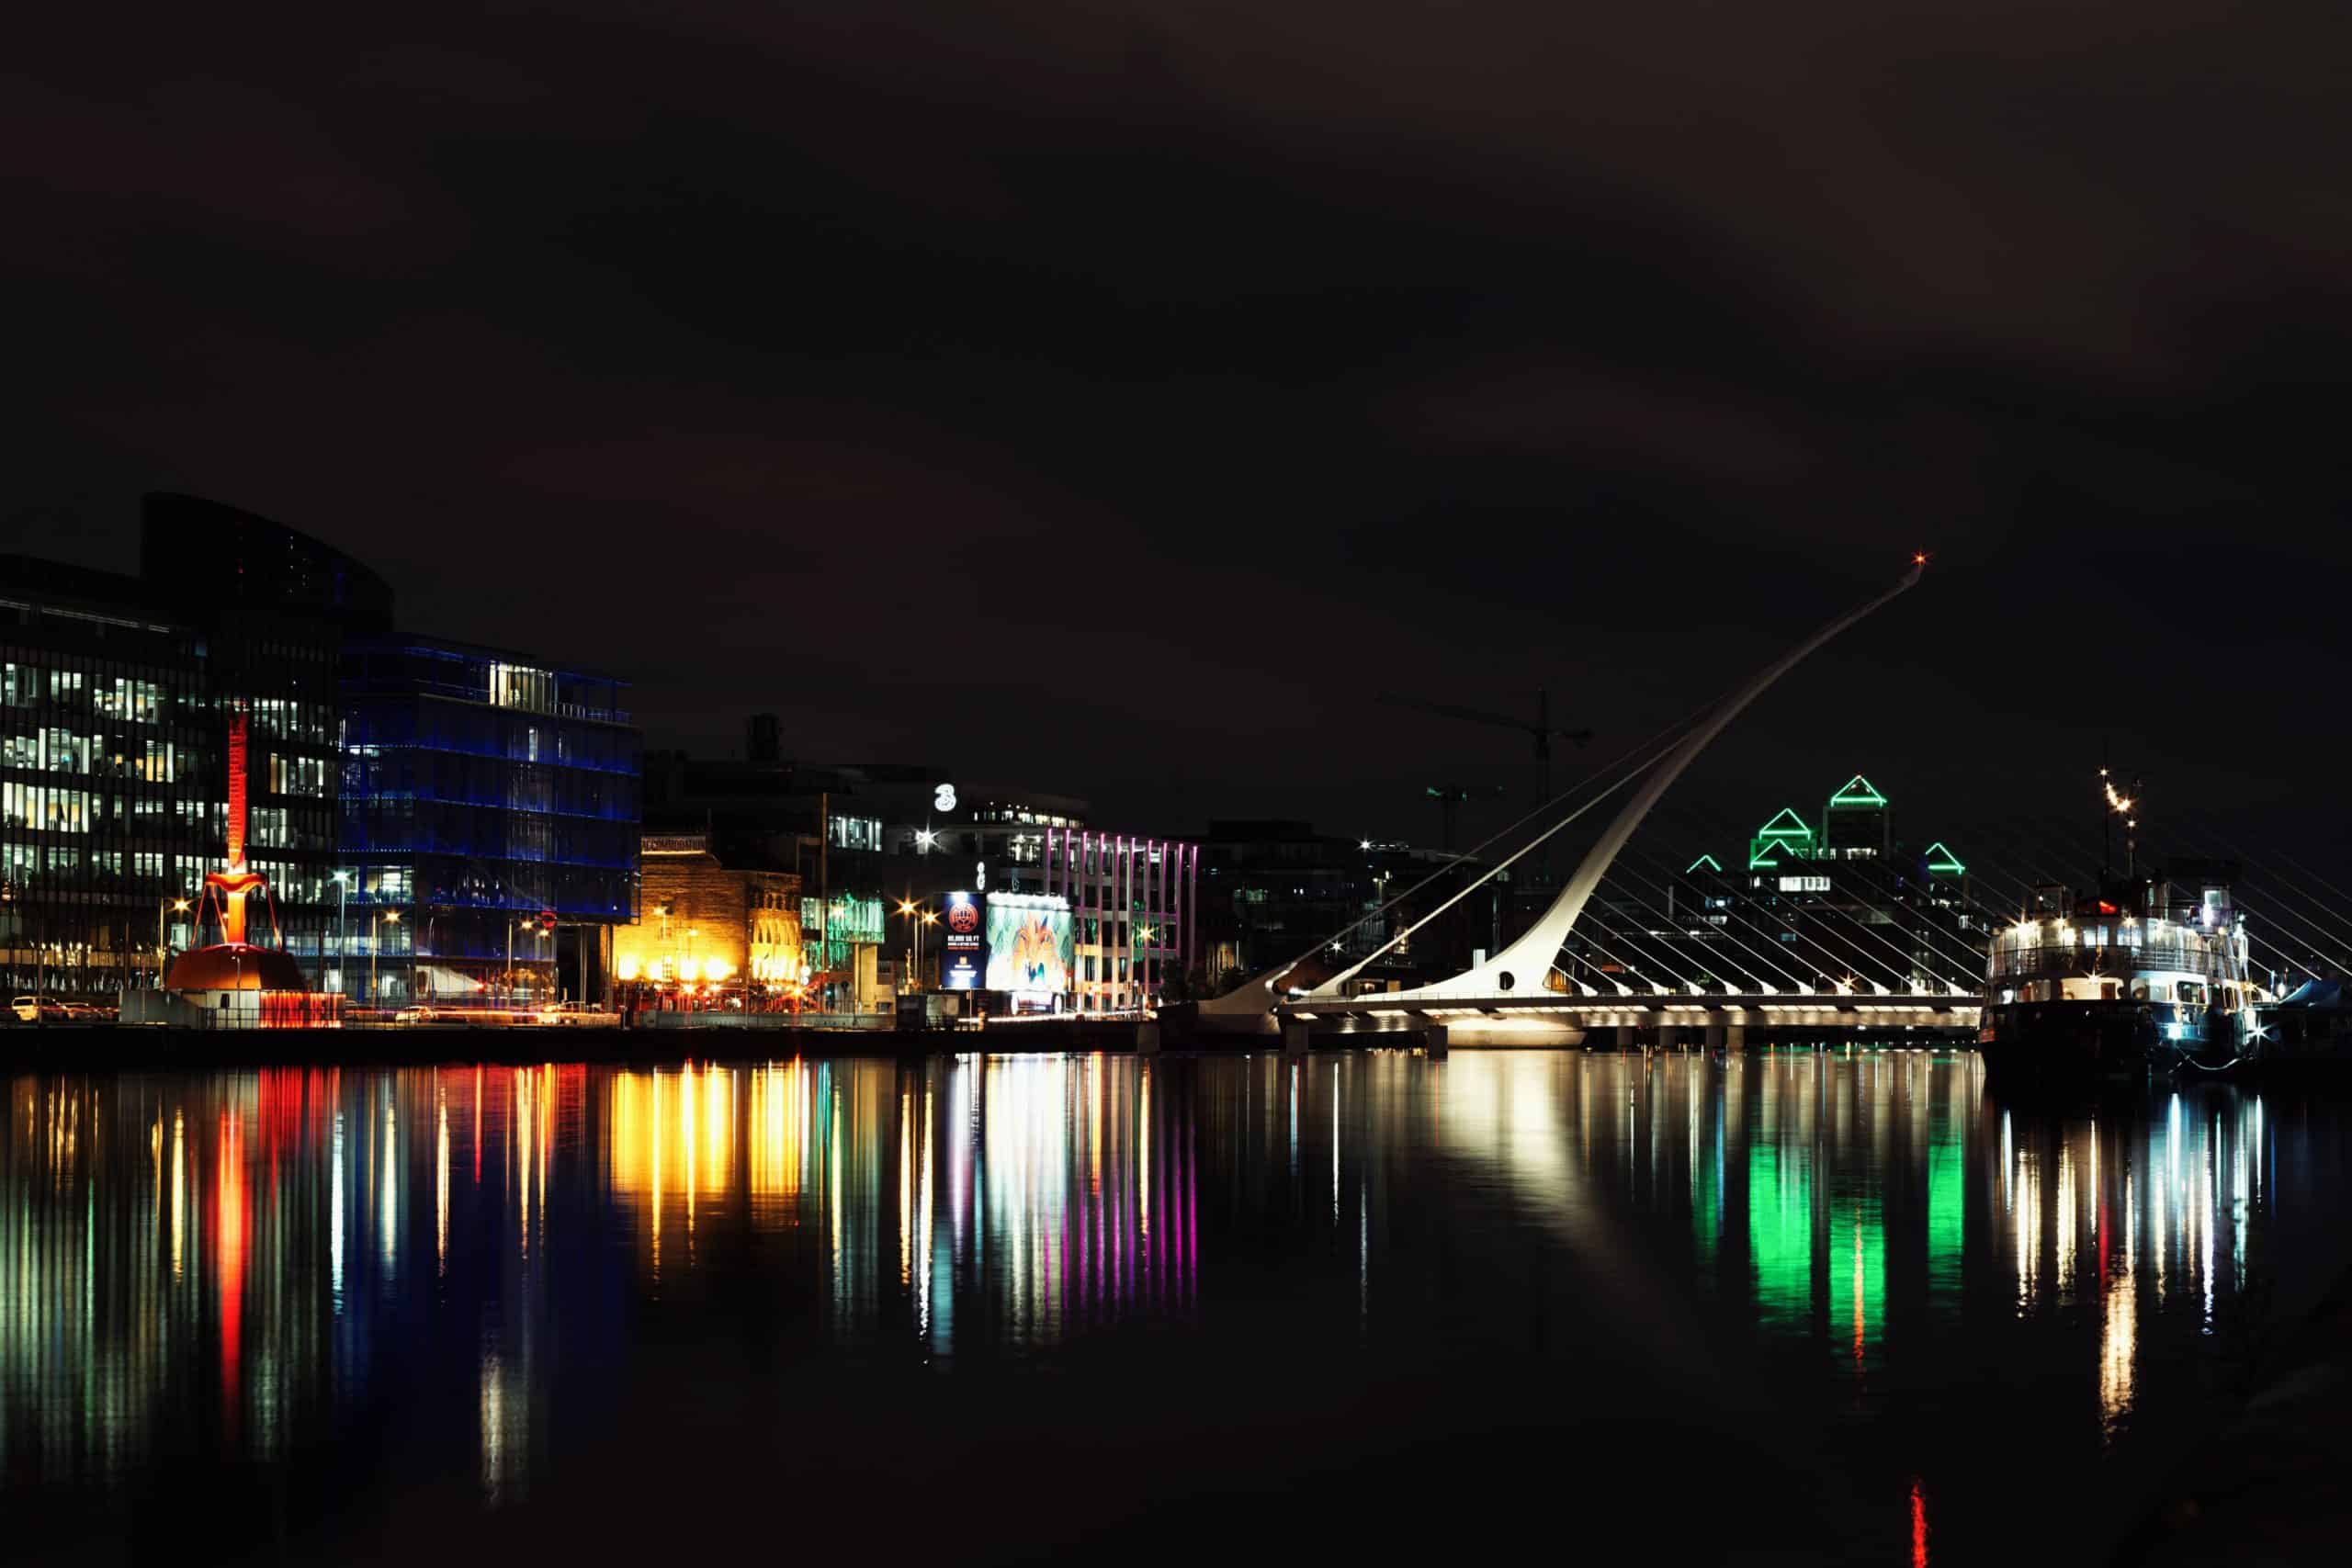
pixel 1146 1038
pixel 1669 1037
pixel 1434 1039
pixel 1735 1037
pixel 1714 1037
pixel 1294 1039
pixel 1628 1037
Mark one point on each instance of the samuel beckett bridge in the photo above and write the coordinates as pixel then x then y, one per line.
pixel 1633 952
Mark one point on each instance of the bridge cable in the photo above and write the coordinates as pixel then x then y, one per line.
pixel 1903 971
pixel 1906 969
pixel 1712 960
pixel 2280 913
pixel 1757 949
pixel 1651 750
pixel 2262 865
pixel 1507 860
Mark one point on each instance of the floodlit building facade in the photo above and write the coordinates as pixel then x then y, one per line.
pixel 1134 905
pixel 710 934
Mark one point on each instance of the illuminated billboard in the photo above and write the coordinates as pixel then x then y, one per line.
pixel 963 943
pixel 1030 944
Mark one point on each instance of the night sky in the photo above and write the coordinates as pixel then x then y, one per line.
pixel 1118 398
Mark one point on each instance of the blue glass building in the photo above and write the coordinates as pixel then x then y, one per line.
pixel 480 789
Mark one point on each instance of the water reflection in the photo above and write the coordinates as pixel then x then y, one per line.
pixel 236 1263
pixel 1831 1201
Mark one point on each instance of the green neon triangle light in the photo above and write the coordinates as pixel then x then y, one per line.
pixel 1858 791
pixel 1708 861
pixel 1941 862
pixel 1787 825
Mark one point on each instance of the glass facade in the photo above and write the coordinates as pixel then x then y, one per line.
pixel 114 692
pixel 411 802
pixel 480 790
pixel 109 807
pixel 850 922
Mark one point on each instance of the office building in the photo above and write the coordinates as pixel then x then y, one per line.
pixel 764 812
pixel 1821 902
pixel 1133 911
pixel 490 823
pixel 114 693
pixel 483 786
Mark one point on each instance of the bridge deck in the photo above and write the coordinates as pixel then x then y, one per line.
pixel 1552 1011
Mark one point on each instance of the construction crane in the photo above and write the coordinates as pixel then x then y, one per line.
pixel 1450 799
pixel 1542 731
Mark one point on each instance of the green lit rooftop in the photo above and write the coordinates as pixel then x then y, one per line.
pixel 1857 791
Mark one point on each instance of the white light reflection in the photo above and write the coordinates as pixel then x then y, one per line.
pixel 388 1208
pixel 922 1288
pixel 2065 1220
pixel 2119 1329
pixel 2025 1206
pixel 906 1187
pixel 335 1207
pixel 2207 1188
pixel 179 1204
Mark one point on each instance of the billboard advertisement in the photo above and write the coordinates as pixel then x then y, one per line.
pixel 1030 944
pixel 963 943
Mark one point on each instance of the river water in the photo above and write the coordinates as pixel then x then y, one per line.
pixel 1785 1306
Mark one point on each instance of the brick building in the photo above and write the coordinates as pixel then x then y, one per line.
pixel 711 932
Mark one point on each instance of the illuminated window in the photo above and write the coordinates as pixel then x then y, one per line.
pixel 20 685
pixel 521 686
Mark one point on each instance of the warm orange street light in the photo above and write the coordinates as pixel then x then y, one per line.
pixel 388 918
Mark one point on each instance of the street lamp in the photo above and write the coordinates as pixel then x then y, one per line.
pixel 531 925
pixel 179 906
pixel 916 919
pixel 669 959
pixel 342 880
pixel 428 952
pixel 388 918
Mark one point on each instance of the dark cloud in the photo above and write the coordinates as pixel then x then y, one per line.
pixel 1120 398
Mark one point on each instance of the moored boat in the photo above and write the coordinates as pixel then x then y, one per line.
pixel 2145 972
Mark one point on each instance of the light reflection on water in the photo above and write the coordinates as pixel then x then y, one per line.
pixel 229 1264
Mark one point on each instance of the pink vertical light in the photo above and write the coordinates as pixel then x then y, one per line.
pixel 1192 1216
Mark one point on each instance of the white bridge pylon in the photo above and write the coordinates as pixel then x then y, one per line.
pixel 1520 968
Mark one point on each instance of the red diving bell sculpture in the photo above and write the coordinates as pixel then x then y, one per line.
pixel 235 964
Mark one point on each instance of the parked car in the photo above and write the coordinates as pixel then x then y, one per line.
pixel 89 1012
pixel 38 1009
